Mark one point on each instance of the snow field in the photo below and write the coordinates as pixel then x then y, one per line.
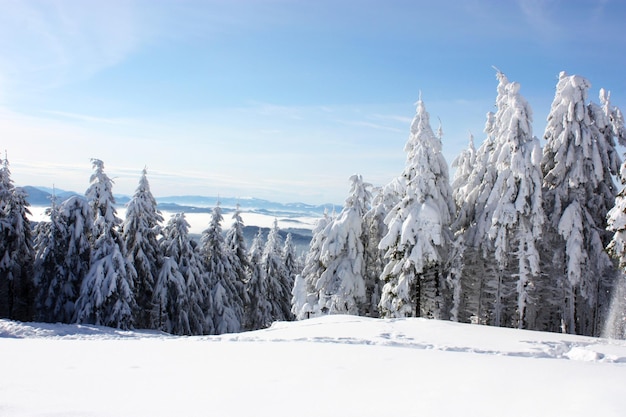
pixel 329 366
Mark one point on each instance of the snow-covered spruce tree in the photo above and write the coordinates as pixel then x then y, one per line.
pixel 616 218
pixel 228 306
pixel 63 256
pixel 418 238
pixel 469 228
pixel 181 254
pixel 579 160
pixel 500 216
pixel 385 198
pixel 279 283
pixel 237 253
pixel 258 311
pixel 615 324
pixel 106 294
pixel 304 303
pixel 170 303
pixel 290 258
pixel 341 286
pixel 461 187
pixel 48 263
pixel 464 165
pixel 47 260
pixel 16 250
pixel 140 231
pixel 515 208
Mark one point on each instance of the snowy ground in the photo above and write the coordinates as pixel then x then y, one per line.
pixel 329 366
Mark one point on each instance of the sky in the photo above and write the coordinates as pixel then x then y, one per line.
pixel 276 99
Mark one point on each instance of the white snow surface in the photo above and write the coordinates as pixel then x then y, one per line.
pixel 327 366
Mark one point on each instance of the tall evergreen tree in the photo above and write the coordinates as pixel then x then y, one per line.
pixel 341 286
pixel 16 250
pixel 498 191
pixel 615 325
pixel 170 303
pixel 49 236
pixel 182 257
pixel 279 284
pixel 140 231
pixel 616 218
pixel 228 306
pixel 418 238
pixel 106 294
pixel 515 207
pixel 305 297
pixel 464 165
pixel 237 253
pixel 258 312
pixel 290 258
pixel 579 160
pixel 62 259
pixel 385 198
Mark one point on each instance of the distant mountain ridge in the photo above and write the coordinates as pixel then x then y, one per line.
pixel 41 196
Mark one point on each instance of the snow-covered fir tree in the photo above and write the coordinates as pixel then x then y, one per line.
pixel 418 239
pixel 304 302
pixel 615 324
pixel 385 198
pixel 579 160
pixel 279 283
pixel 140 231
pixel 258 311
pixel 616 218
pixel 106 294
pixel 77 219
pixel 48 273
pixel 237 253
pixel 500 216
pixel 514 207
pixel 170 302
pixel 182 257
pixel 227 306
pixel 469 222
pixel 62 259
pixel 464 166
pixel 290 258
pixel 341 286
pixel 16 250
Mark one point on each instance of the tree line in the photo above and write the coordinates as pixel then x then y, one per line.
pixel 86 265
pixel 522 236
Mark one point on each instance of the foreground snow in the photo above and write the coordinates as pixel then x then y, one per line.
pixel 330 366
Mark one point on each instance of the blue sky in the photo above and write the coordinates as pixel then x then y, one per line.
pixel 276 99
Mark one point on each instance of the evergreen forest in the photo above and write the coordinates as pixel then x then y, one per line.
pixel 527 233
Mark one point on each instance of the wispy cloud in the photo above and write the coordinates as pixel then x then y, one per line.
pixel 539 15
pixel 46 44
pixel 86 118
pixel 370 125
pixel 273 110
